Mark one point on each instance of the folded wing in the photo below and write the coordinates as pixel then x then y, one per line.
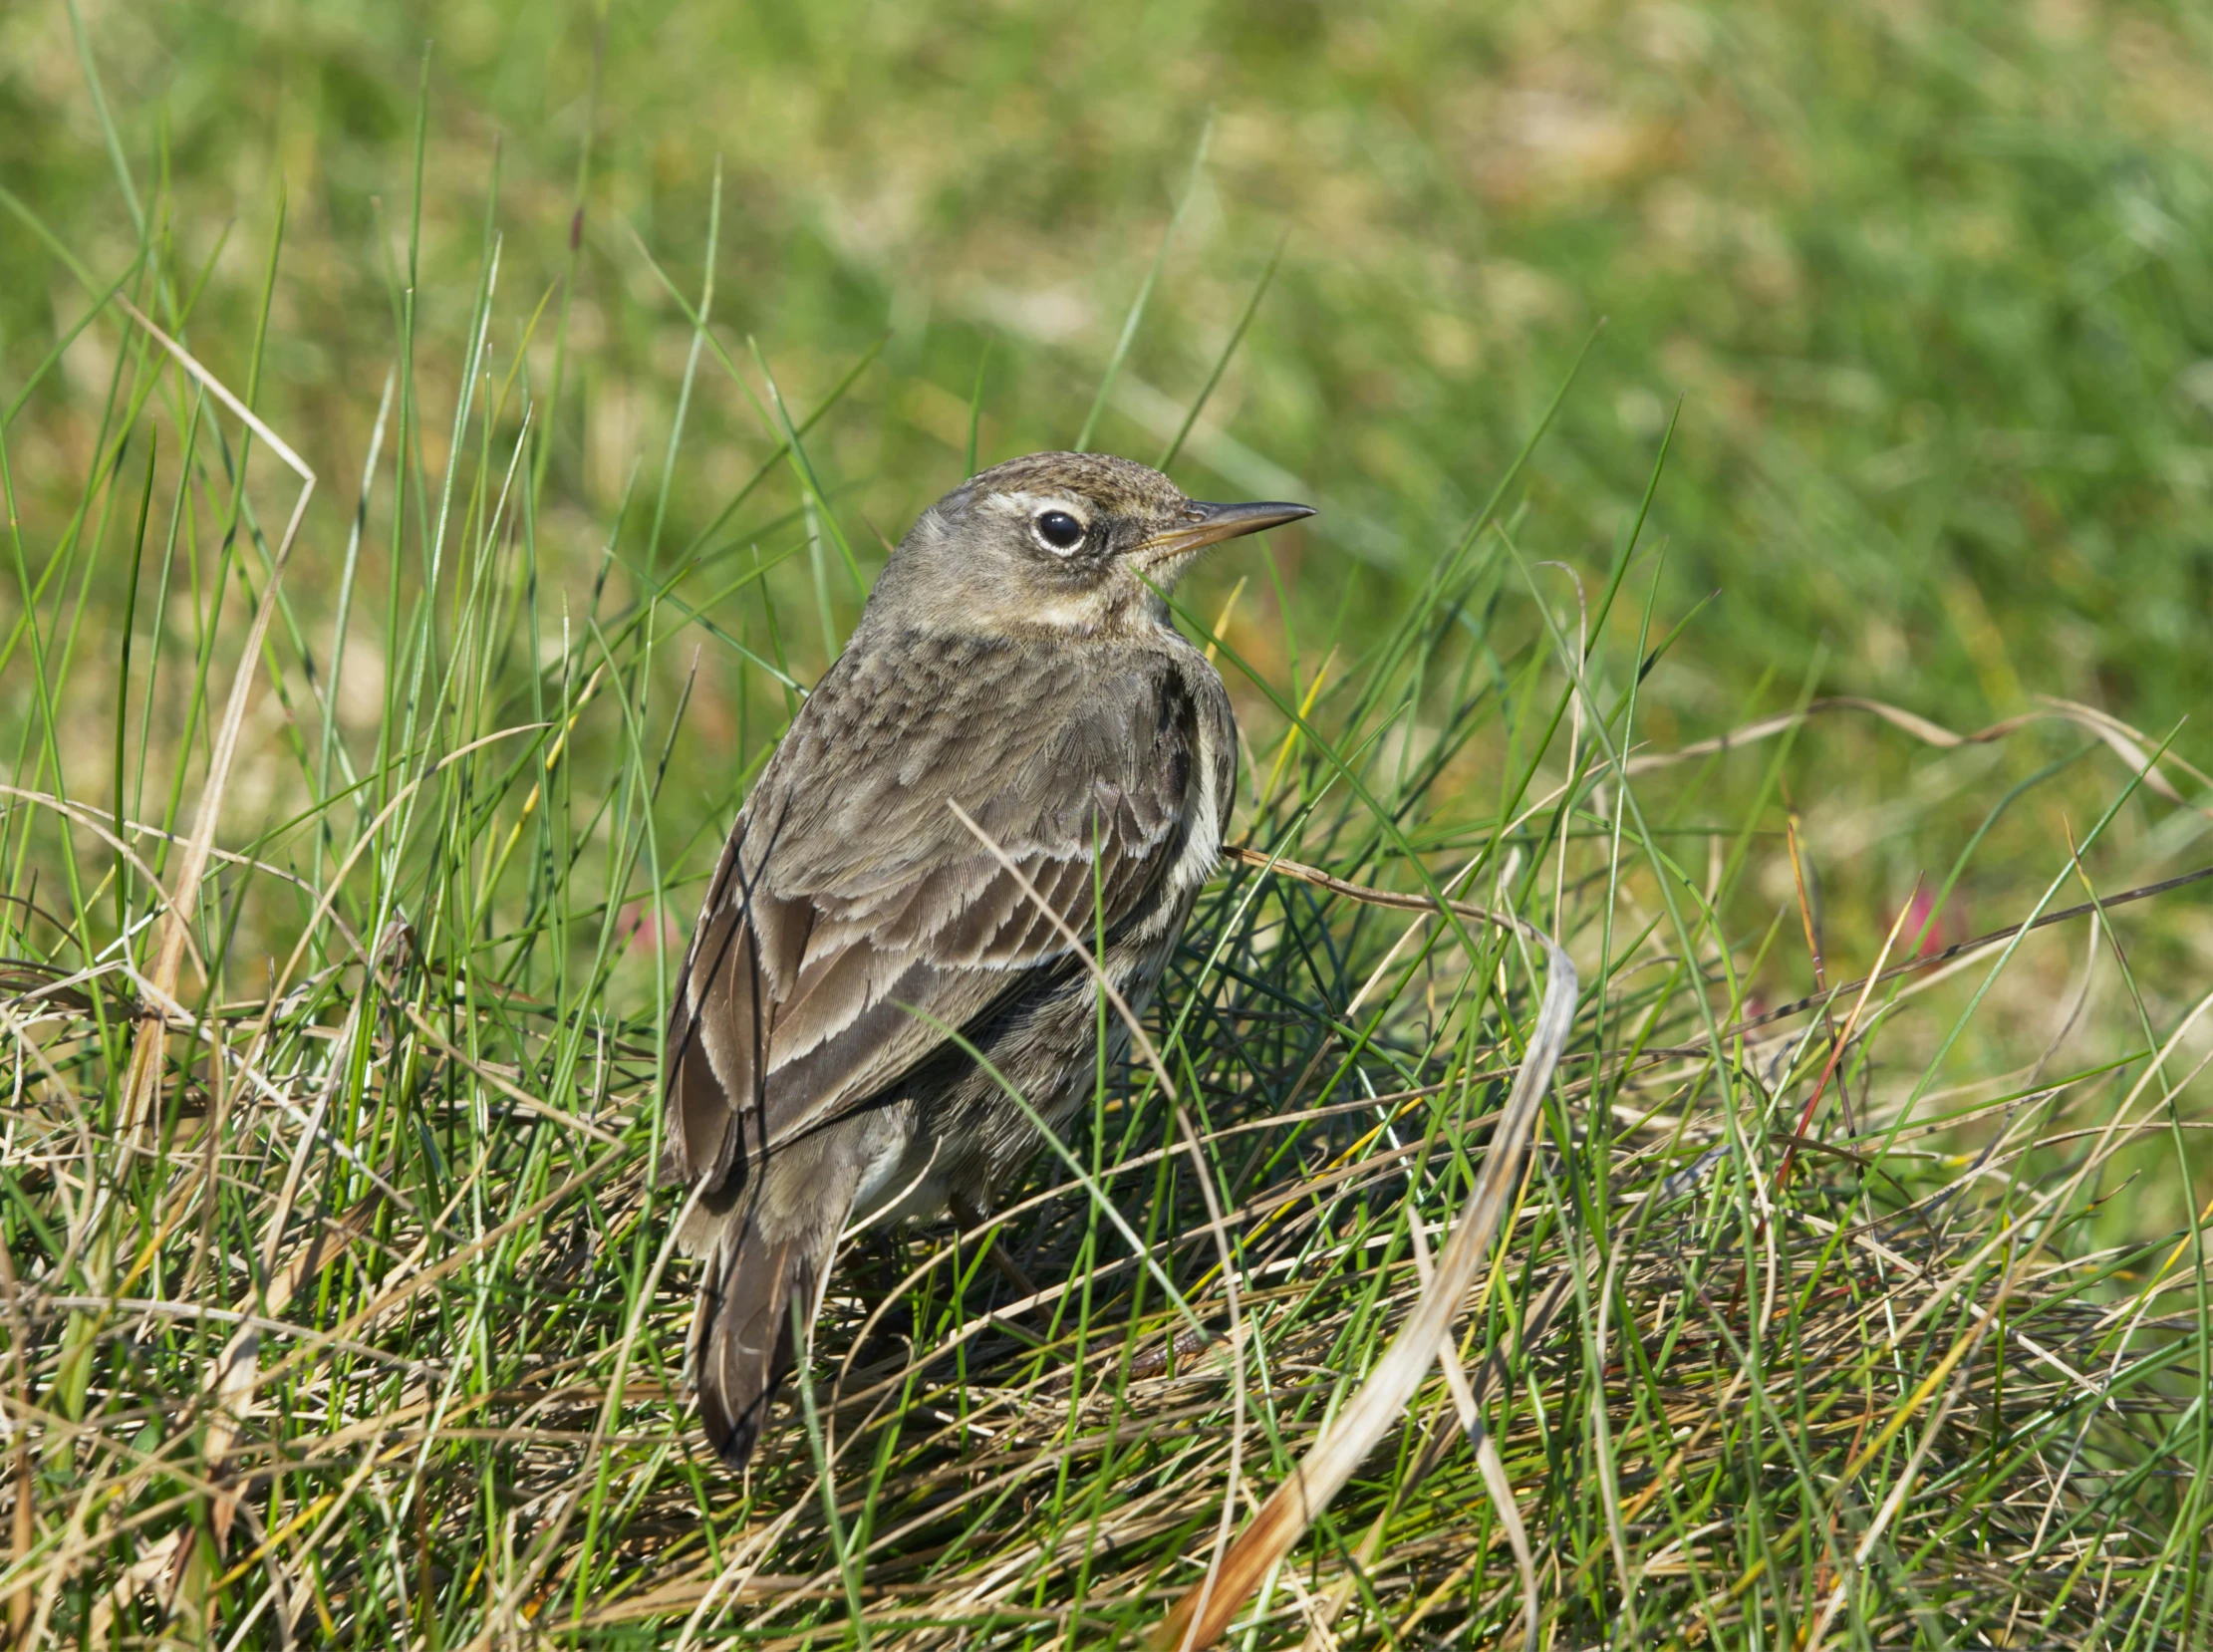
pixel 853 919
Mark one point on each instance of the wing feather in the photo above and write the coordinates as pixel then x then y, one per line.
pixel 853 917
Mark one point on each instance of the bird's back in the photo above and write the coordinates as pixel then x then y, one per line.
pixel 857 920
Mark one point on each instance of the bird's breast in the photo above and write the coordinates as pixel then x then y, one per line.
pixel 1214 769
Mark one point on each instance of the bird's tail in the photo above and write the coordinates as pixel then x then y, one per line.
pixel 741 1348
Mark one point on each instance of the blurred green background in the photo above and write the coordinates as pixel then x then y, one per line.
pixel 1935 281
pixel 1932 285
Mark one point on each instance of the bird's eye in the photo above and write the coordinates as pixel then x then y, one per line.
pixel 1060 530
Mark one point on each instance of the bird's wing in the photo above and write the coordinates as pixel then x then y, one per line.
pixel 854 918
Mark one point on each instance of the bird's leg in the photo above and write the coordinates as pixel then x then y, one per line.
pixel 971 1220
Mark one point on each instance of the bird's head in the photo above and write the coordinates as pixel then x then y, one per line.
pixel 1079 544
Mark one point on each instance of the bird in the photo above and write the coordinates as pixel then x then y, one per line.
pixel 1014 696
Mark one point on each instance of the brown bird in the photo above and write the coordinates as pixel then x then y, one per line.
pixel 1016 659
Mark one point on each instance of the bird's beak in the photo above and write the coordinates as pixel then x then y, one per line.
pixel 1208 524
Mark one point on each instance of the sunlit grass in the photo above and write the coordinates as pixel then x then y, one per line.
pixel 1883 1323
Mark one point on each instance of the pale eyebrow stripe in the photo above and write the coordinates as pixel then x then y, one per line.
pixel 1027 503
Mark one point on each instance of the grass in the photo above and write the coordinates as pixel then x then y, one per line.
pixel 339 1307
